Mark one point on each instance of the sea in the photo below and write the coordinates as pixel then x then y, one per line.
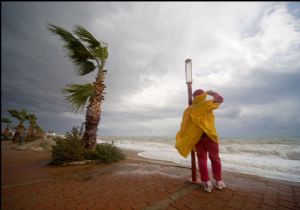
pixel 277 158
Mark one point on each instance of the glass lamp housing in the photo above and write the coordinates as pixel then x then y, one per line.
pixel 188 71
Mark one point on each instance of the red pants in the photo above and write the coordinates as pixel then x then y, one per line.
pixel 207 145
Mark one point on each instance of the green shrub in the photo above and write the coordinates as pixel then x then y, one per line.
pixel 107 153
pixel 70 149
pixel 89 154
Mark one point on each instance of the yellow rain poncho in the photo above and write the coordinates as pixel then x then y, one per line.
pixel 197 118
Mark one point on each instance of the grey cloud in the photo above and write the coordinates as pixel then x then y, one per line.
pixel 142 45
pixel 264 88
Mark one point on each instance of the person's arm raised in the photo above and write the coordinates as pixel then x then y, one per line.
pixel 217 97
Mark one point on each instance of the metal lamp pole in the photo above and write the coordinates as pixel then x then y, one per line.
pixel 189 81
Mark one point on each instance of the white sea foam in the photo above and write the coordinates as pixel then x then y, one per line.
pixel 273 158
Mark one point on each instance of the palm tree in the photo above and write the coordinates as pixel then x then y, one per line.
pixel 5 133
pixel 39 132
pixel 31 130
pixel 87 54
pixel 20 130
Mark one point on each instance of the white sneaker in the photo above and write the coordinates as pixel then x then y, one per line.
pixel 207 186
pixel 220 184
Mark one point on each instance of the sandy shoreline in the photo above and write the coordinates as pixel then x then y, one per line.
pixel 133 155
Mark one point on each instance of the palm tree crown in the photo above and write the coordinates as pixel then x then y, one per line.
pixel 6 120
pixel 20 130
pixel 85 58
pixel 32 119
pixel 20 115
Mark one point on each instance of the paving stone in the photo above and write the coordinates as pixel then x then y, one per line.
pixel 29 183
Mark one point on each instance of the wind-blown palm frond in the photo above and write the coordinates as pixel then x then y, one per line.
pixel 14 113
pixel 77 52
pixel 86 36
pixel 100 52
pixel 6 120
pixel 38 128
pixel 78 94
pixel 22 115
pixel 32 119
pixel 97 48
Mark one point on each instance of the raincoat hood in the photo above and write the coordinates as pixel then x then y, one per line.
pixel 197 119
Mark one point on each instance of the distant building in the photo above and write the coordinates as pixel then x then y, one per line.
pixel 53 134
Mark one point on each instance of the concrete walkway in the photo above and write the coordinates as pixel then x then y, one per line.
pixel 29 183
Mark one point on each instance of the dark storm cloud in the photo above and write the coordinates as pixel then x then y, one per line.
pixel 265 87
pixel 271 105
pixel 34 66
pixel 148 43
pixel 28 80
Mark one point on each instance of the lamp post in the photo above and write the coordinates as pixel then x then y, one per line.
pixel 189 81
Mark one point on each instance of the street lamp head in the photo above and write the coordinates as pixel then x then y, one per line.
pixel 188 71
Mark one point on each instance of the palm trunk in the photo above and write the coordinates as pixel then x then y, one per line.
pixel 5 133
pixel 18 134
pixel 29 136
pixel 34 133
pixel 92 117
pixel 38 134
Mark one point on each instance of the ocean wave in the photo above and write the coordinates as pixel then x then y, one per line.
pixel 278 151
pixel 274 158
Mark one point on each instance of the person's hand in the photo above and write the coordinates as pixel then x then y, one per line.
pixel 209 92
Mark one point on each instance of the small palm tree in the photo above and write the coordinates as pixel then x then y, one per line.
pixel 6 132
pixel 88 54
pixel 39 132
pixel 31 130
pixel 20 130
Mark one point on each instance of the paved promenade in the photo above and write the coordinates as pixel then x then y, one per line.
pixel 29 183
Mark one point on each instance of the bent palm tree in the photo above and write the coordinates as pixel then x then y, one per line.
pixel 20 130
pixel 5 133
pixel 31 130
pixel 88 54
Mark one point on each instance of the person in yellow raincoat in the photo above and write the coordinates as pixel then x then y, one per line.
pixel 197 132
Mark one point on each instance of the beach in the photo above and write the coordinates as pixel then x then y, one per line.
pixel 134 183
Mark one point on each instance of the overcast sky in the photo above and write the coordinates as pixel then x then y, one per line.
pixel 249 52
